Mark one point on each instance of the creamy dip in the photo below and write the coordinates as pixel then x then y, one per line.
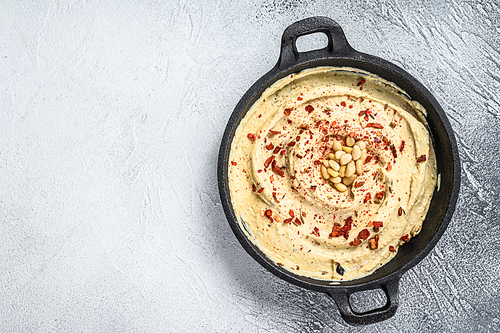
pixel 300 219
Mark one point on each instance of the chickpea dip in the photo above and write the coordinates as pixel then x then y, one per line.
pixel 331 171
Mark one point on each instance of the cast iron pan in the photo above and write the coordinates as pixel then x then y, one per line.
pixel 339 53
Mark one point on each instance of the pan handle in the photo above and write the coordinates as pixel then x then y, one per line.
pixel 337 42
pixel 390 288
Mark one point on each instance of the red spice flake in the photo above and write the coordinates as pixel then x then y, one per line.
pixel 288 221
pixel 275 132
pixel 361 82
pixel 268 213
pixel 405 238
pixel 309 108
pixel 392 249
pixel 259 171
pixel 388 167
pixel 291 143
pixel 298 222
pixel 380 195
pixel 254 188
pixel 276 150
pixel 393 151
pixel 313 188
pixel 304 214
pixel 251 136
pixel 363 234
pixel 385 140
pixel 368 159
pixel 304 126
pixel 268 161
pixel 275 197
pixel 260 190
pixel 315 232
pixel 279 264
pixel 276 169
pixel 283 152
pixel 287 111
pixel 335 233
pixel 378 224
pixel 368 197
pixel 234 163
pixel 299 156
pixel 400 211
pixel 342 103
pixel 355 242
pixel 317 162
pixel 292 214
pixel 299 98
pixel 270 146
pixel 375 125
pixel 422 158
pixel 374 242
pixel 366 118
pixel 338 231
pixel 362 113
pixel 359 184
pixel 289 121
pixel 402 146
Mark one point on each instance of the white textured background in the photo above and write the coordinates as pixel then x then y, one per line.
pixel 111 115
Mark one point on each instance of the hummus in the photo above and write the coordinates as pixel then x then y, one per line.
pixel 302 218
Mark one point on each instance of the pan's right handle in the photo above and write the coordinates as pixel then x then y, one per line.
pixel 337 42
pixel 352 317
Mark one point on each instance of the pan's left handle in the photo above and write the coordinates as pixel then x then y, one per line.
pixel 337 42
pixel 390 288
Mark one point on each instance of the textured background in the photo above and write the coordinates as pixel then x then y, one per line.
pixel 111 115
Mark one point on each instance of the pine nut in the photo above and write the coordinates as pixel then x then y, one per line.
pixel 334 165
pixel 363 155
pixel 361 144
pixel 341 187
pixel 331 156
pixel 324 172
pixel 325 163
pixel 345 159
pixel 347 149
pixel 348 180
pixel 342 171
pixel 338 154
pixel 359 167
pixel 349 141
pixel 336 180
pixel 350 169
pixel 332 172
pixel 337 146
pixel 356 153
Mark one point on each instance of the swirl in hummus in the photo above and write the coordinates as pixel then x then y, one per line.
pixel 297 217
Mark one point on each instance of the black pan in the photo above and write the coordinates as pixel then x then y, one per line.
pixel 339 53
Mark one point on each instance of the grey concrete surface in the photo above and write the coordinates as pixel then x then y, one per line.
pixel 111 115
